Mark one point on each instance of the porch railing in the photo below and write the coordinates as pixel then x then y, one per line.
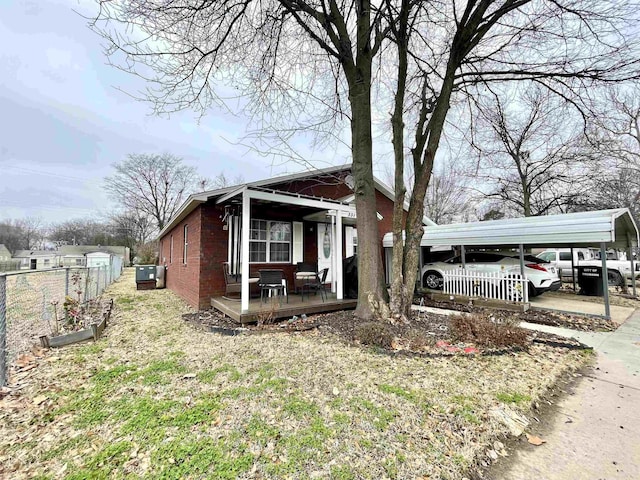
pixel 504 286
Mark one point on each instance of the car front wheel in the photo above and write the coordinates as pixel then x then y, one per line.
pixel 432 280
pixel 614 279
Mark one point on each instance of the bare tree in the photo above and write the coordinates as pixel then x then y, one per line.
pixel 447 199
pixel 533 155
pixel 453 53
pixel 615 178
pixel 155 185
pixel 22 234
pixel 312 63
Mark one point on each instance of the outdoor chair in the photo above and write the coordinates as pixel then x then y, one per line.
pixel 232 282
pixel 272 282
pixel 317 284
pixel 304 273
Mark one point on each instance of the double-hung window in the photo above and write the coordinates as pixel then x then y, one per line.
pixel 186 244
pixel 270 242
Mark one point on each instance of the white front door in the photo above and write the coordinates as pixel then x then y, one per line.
pixel 325 249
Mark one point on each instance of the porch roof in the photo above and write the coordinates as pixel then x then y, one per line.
pixel 197 199
pixel 614 227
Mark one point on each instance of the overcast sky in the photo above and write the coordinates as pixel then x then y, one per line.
pixel 64 122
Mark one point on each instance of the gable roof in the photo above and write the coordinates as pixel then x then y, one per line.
pixel 198 198
pixel 80 250
pixel 4 251
pixel 35 253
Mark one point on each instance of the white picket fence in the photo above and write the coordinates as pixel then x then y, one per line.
pixel 505 286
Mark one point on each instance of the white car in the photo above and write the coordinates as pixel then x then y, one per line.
pixel 542 276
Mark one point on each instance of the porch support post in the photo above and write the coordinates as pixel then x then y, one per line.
pixel 246 225
pixel 633 272
pixel 334 255
pixel 605 280
pixel 338 255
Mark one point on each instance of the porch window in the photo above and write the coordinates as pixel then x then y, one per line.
pixel 270 242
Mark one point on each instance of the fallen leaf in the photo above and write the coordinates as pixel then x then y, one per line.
pixel 336 391
pixel 39 399
pixel 535 440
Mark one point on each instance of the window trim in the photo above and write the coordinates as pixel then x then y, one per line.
pixel 268 242
pixel 185 246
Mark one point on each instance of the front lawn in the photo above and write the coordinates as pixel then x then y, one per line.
pixel 158 398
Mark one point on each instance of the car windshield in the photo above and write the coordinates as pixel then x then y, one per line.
pixel 547 256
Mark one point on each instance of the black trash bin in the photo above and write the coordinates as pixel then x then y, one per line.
pixel 590 281
pixel 350 277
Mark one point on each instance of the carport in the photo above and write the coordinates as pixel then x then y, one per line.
pixel 613 228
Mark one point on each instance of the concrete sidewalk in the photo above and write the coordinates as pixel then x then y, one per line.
pixel 595 433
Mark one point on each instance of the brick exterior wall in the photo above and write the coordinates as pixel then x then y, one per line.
pixel 182 278
pixel 202 277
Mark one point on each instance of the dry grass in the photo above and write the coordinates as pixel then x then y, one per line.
pixel 157 398
pixel 486 331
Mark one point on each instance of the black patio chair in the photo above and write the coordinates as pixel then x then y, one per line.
pixel 272 281
pixel 317 284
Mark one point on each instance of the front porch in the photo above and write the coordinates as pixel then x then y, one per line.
pixel 296 306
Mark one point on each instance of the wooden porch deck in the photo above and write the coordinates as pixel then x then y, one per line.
pixel 311 304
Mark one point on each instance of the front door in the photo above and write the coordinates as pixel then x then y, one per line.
pixel 325 247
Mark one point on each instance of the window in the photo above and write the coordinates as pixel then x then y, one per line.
pixel 270 242
pixel 565 256
pixel 171 250
pixel 186 244
pixel 78 261
pixel 46 262
pixel 355 242
pixel 548 256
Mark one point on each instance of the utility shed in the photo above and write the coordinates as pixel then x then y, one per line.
pixel 614 228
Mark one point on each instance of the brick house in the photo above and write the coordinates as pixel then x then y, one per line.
pixel 273 223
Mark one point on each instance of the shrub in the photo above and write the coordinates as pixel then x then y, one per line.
pixel 484 331
pixel 374 333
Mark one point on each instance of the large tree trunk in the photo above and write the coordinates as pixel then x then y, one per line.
pixel 371 288
pixel 372 297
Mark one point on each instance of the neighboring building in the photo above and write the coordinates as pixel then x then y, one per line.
pixel 5 254
pixel 295 218
pixel 38 259
pixel 98 259
pixel 70 256
pixel 75 255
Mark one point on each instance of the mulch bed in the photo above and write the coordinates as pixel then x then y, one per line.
pixel 555 319
pixel 426 333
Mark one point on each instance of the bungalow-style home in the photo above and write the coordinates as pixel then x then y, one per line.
pixel 38 259
pixel 275 224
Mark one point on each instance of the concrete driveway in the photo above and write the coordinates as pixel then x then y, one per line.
pixel 570 305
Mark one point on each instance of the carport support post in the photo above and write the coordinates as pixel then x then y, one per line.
pixel 246 225
pixel 605 280
pixel 573 271
pixel 463 253
pixel 633 272
pixel 521 251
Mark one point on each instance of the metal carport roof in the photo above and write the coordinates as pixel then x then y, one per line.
pixel 614 227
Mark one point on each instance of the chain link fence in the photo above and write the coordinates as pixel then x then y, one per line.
pixel 32 301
